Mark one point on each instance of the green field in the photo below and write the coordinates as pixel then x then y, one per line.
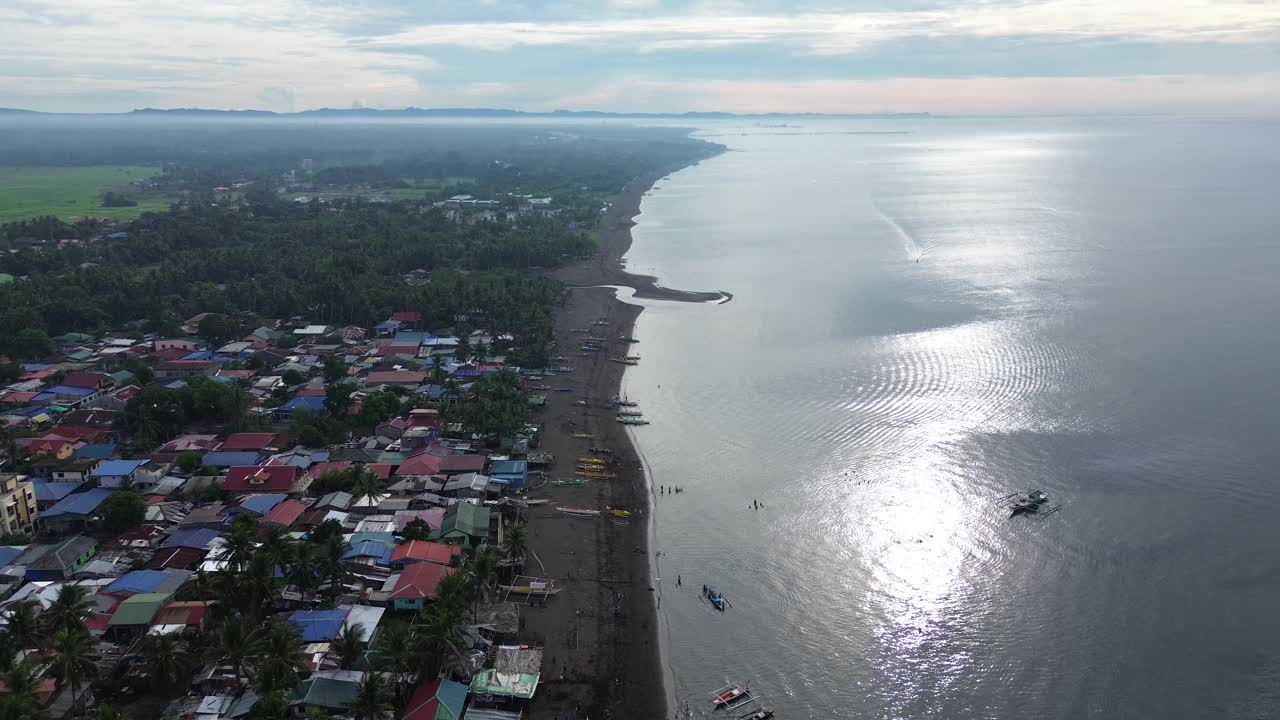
pixel 72 192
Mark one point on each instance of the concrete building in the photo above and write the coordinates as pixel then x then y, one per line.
pixel 17 504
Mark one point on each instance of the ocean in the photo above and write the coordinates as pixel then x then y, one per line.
pixel 927 321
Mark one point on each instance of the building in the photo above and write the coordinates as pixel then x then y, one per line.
pixel 182 369
pixel 57 561
pixel 465 523
pixel 438 699
pixel 18 508
pixel 262 479
pixel 74 511
pixel 418 584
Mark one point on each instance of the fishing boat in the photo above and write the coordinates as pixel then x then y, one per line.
pixel 1032 502
pixel 632 357
pixel 715 597
pixel 730 696
pixel 755 710
pixel 602 450
pixel 579 512
pixel 535 589
pixel 624 361
pixel 626 420
pixel 589 459
pixel 625 402
pixel 619 512
pixel 630 413
pixel 571 482
pixel 582 436
pixel 595 475
pixel 627 338
pixel 564 389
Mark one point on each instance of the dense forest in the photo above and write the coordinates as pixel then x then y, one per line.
pixel 338 262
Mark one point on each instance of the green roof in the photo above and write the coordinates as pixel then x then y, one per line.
pixel 327 692
pixel 5 278
pixel 394 458
pixel 466 518
pixel 139 609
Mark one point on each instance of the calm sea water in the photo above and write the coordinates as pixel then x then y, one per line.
pixel 925 322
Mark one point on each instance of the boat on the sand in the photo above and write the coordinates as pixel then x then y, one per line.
pixel 530 589
pixel 582 436
pixel 627 420
pixel 579 512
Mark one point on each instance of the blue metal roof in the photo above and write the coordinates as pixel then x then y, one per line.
pixel 199 538
pixel 118 468
pixel 370 548
pixel 49 491
pixel 318 625
pixel 85 503
pixel 71 391
pixel 137 581
pixel 9 553
pixel 230 458
pixel 199 355
pixel 100 451
pixel 262 504
pixel 303 403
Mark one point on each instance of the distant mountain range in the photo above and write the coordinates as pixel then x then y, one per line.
pixel 459 112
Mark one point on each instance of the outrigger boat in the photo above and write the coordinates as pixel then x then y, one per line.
pixel 579 512
pixel 755 710
pixel 582 436
pixel 627 420
pixel 730 696
pixel 571 482
pixel 714 597
pixel 602 450
pixel 632 357
pixel 624 361
pixel 619 512
pixel 1033 502
pixel 630 413
pixel 593 460
pixel 530 589
pixel 627 338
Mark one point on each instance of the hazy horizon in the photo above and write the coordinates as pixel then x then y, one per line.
pixel 658 56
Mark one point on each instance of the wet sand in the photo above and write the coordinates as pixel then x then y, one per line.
pixel 601 656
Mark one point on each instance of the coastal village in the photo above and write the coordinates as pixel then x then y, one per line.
pixel 267 572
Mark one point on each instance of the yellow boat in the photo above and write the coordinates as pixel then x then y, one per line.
pixel 582 436
pixel 595 476
pixel 601 461
pixel 617 512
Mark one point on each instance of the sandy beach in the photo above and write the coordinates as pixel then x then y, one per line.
pixel 600 633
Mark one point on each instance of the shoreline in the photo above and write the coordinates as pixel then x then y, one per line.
pixel 600 634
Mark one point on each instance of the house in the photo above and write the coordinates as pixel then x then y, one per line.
pixel 116 399
pixel 184 344
pixel 387 328
pixel 329 689
pixel 337 500
pixel 74 511
pixel 70 470
pixel 414 551
pixel 93 418
pixel 182 369
pixel 312 404
pixel 96 451
pixel 406 319
pixel 262 504
pixel 286 513
pixel 318 625
pixel 66 396
pixel 223 459
pixel 134 615
pixel 259 442
pixel 392 428
pixel 368 553
pixel 178 558
pixel 313 331
pixel 114 473
pixel 48 493
pixel 148 581
pixel 18 506
pixel 180 616
pixel 408 378
pixel 465 523
pixel 513 473
pixel 191 443
pixel 438 699
pixel 462 464
pixel 198 538
pixel 262 479
pixel 90 380
pixel 420 464
pixel 417 584
pixel 57 561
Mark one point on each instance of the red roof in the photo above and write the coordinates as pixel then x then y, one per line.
pixel 382 471
pixel 18 397
pixel 184 364
pixel 457 464
pixel 422 464
pixel 425 703
pixel 251 441
pixel 310 392
pixel 411 317
pixel 35 375
pixel 320 469
pixel 87 434
pixel 85 380
pixel 420 580
pixel 438 553
pixel 170 354
pixel 396 377
pixel 285 513
pixel 179 558
pixel 385 350
pixel 262 478
pixel 181 613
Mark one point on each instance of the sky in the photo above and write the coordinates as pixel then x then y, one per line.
pixel 978 56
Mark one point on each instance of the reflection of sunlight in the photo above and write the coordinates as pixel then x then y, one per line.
pixel 916 542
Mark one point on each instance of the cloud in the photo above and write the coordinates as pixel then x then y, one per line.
pixel 837 33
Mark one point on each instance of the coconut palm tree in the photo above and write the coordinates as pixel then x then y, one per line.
pixel 484 568
pixel 235 643
pixel 366 485
pixel 73 661
pixel 168 660
pixel 437 370
pixel 24 625
pixel 272 706
pixel 111 712
pixel 254 589
pixel 348 644
pixel 278 663
pixel 437 632
pixel 395 653
pixel 277 546
pixel 329 563
pixel 69 610
pixel 516 544
pixel 241 541
pixel 20 702
pixel 373 698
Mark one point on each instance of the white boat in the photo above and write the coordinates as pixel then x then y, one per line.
pixel 579 512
